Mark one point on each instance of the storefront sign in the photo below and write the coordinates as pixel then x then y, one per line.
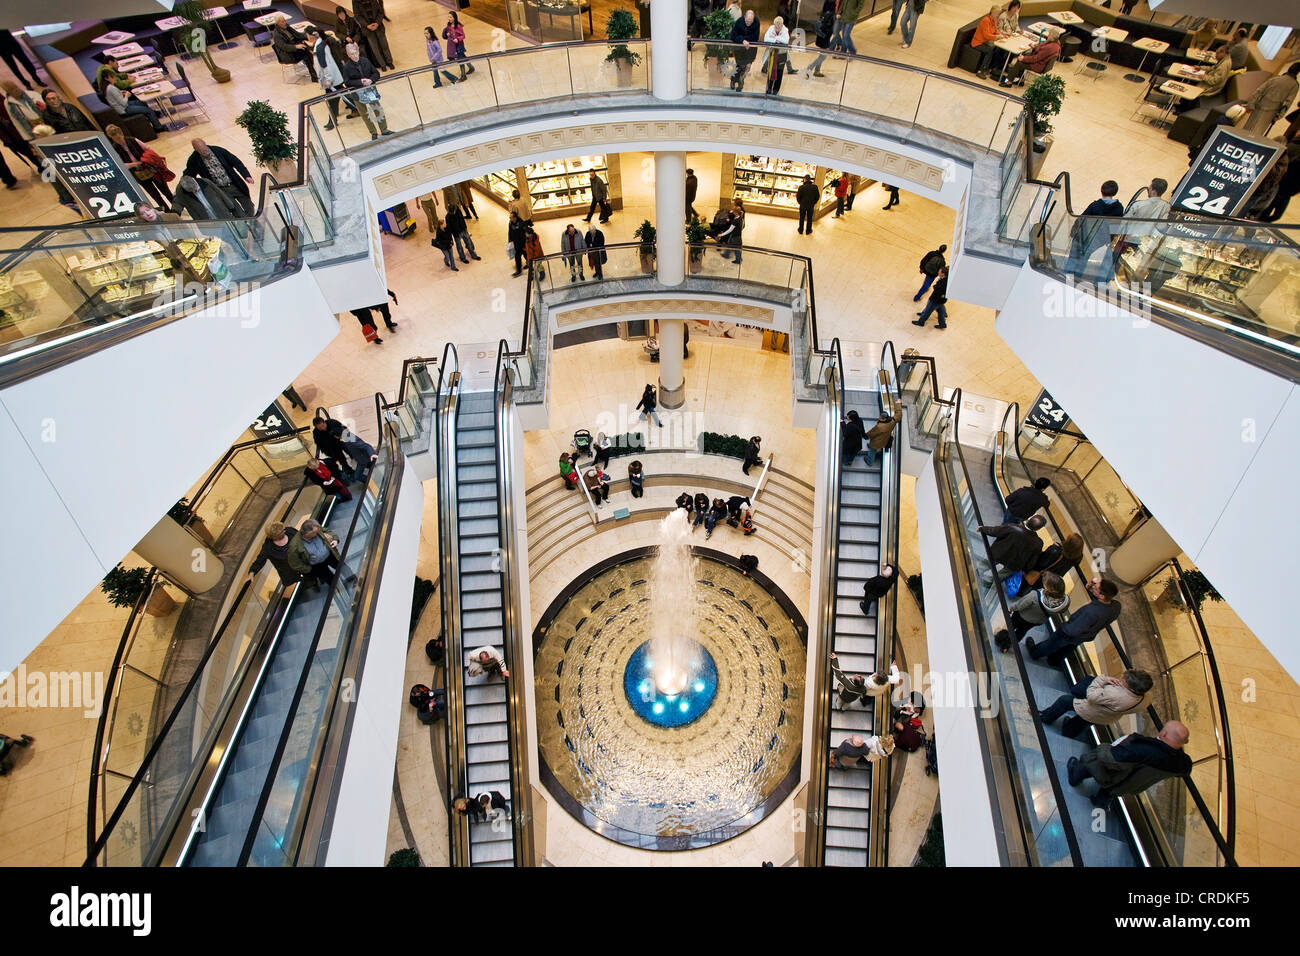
pixel 1225 174
pixel 273 423
pixel 1045 414
pixel 89 167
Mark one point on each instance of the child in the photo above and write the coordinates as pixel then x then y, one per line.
pixel 747 523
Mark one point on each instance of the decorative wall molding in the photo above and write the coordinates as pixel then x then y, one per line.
pixel 623 309
pixel 579 139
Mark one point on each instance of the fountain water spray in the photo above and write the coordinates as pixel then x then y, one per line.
pixel 672 605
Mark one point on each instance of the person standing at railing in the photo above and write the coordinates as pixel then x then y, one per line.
pixel 436 57
pixel 1083 626
pixel 572 246
pixel 1090 233
pixel 370 15
pixel 596 254
pixel 775 58
pixel 1100 700
pixel 1133 763
pixel 327 69
pixel 744 31
pixel 360 74
pixel 846 18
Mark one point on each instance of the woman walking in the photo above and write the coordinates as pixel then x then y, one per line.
pixel 436 58
pixel 149 169
pixel 648 404
pixel 454 34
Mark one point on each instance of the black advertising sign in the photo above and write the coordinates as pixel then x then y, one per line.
pixel 89 167
pixel 1225 173
pixel 273 423
pixel 1045 414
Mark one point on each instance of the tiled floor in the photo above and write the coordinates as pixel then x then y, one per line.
pixel 865 272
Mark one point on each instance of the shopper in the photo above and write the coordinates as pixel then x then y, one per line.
pixel 292 47
pixel 1015 546
pixel 315 552
pixel 731 233
pixel 487 661
pixel 753 454
pixel 346 27
pixel 937 302
pixel 62 117
pixel 881 435
pixel 823 40
pixel 12 52
pixel 366 319
pixel 914 10
pixel 1083 626
pixel 522 208
pixel 149 169
pixel 533 249
pixel 744 31
pixel 1027 500
pixel 15 143
pixel 202 199
pixel 807 196
pixel 459 230
pixel 1090 232
pixel 849 689
pixel 748 564
pixel 873 589
pixel 893 196
pixel 930 265
pixel 466 192
pixel 568 471
pixel 852 434
pixel 648 404
pixel 360 74
pixel 1099 701
pixel 1035 606
pixel 841 190
pixel 370 16
pixel 599 198
pixel 1133 763
pixel 572 246
pixel 442 240
pixel 454 34
pixel 275 548
pixel 318 473
pixel 776 56
pixel 330 450
pixel 327 69
pixel 436 57
pixel 845 20
pixel 636 479
pixel 596 254
pixel 517 240
pixel 692 186
pixel 429 204
pixel 382 309
pixel 223 168
pixel 856 748
pixel 124 103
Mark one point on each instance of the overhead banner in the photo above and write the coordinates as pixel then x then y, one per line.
pixel 1225 174
pixel 1046 415
pixel 88 165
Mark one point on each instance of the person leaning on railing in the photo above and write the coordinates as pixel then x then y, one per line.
pixel 275 548
pixel 314 554
pixel 1133 763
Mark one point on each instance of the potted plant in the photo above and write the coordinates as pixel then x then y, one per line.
pixel 695 236
pixel 273 147
pixel 1200 587
pixel 622 25
pixel 405 857
pixel 192 37
pixel 1043 98
pixel 717 26
pixel 184 515
pixel 646 233
pixel 124 588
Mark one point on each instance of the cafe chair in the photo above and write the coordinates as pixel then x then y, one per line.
pixel 188 98
pixel 1093 68
pixel 260 37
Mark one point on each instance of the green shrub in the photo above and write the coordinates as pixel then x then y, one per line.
pixel 733 446
pixel 124 587
pixel 406 857
pixel 931 852
pixel 622 25
pixel 631 443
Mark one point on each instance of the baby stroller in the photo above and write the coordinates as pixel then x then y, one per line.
pixel 582 443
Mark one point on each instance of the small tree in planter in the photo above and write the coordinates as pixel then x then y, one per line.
pixel 1043 99
pixel 695 236
pixel 646 233
pixel 1198 585
pixel 193 36
pixel 183 514
pixel 273 146
pixel 404 858
pixel 124 588
pixel 717 26
pixel 622 25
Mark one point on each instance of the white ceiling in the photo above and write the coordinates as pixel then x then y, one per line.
pixel 15 15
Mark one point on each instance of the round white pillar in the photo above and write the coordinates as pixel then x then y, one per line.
pixel 672 376
pixel 1142 552
pixel 670 217
pixel 668 49
pixel 172 550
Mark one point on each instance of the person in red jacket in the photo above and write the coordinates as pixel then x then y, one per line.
pixel 319 473
pixel 841 190
pixel 1038 58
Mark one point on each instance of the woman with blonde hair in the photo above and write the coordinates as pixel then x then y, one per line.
pixel 986 33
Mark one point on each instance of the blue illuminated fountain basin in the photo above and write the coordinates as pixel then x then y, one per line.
pixel 675 710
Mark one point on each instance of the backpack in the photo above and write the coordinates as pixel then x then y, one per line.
pixel 826 25
pixel 918 6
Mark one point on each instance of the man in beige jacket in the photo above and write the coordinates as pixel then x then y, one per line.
pixel 1099 700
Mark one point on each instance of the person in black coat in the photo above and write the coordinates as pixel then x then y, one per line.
pixel 1023 502
pixel 1016 546
pixel 752 454
pixel 685 502
pixel 746 31
pixel 292 47
pixel 596 254
pixel 702 505
pixel 852 435
pixel 648 404
pixel 222 167
pixel 807 197
pixel 518 238
pixel 360 74
pixel 876 588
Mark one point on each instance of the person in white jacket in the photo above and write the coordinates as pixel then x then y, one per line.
pixel 331 77
pixel 855 748
pixel 487 660
pixel 1099 700
pixel 774 58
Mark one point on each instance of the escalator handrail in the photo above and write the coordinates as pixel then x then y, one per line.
pixel 96 844
pixel 1225 844
pixel 1057 792
pixel 326 607
pixel 511 613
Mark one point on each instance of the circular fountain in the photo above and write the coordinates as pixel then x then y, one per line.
pixel 669 695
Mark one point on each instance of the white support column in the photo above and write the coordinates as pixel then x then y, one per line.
pixel 668 64
pixel 672 376
pixel 170 549
pixel 670 217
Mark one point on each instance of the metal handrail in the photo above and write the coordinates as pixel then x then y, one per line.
pixel 512 618
pixel 448 536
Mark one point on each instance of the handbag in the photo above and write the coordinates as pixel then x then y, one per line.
pixel 368 95
pixel 142 173
pixel 1014 583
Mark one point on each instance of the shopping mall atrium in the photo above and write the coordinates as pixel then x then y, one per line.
pixel 507 484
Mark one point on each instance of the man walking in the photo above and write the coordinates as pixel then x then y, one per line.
pixel 692 186
pixel 459 230
pixel 937 302
pixel 807 196
pixel 846 18
pixel 930 265
pixel 599 198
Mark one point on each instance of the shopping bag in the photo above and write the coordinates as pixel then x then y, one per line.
pixel 369 332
